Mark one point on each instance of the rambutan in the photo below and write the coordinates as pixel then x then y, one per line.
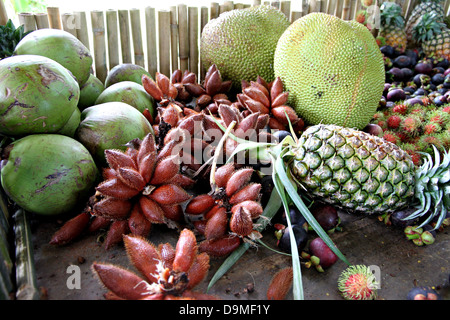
pixel 431 128
pixel 400 108
pixel 358 283
pixel 393 122
pixel 411 124
pixel 391 137
pixel 446 109
pixel 438 116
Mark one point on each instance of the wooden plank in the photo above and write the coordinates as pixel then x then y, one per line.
pixel 3 14
pixel 174 38
pixel 98 30
pixel 193 40
pixel 112 32
pixel 152 57
pixel 28 21
pixel 164 41
pixel 136 32
pixel 82 30
pixel 203 22
pixel 41 20
pixel 125 42
pixel 54 18
pixel 68 21
pixel 183 37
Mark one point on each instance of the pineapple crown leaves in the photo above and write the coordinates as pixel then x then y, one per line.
pixel 391 14
pixel 428 27
pixel 433 188
pixel 10 36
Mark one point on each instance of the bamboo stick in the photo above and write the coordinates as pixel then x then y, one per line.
pixel 183 37
pixel 203 22
pixel 285 7
pixel 82 30
pixel 193 40
pixel 345 10
pixel 54 18
pixel 239 6
pixel 135 18
pixel 223 8
pixel 28 21
pixel 305 7
pixel 174 38
pixel 69 23
pixel 150 23
pixel 229 4
pixel 331 9
pixel 214 10
pixel 164 42
pixel 113 38
pixel 25 268
pixel 98 29
pixel 41 20
pixel 295 15
pixel 256 2
pixel 338 12
pixel 125 42
pixel 3 14
pixel 275 4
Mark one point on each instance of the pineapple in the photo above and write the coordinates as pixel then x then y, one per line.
pixel 425 6
pixel 433 35
pixel 392 25
pixel 361 172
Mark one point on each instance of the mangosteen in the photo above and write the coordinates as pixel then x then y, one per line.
pixel 407 73
pixel 442 90
pixel 388 51
pixel 443 63
pixel 420 92
pixel 398 218
pixel 413 101
pixel 296 218
pixel 319 249
pixel 301 238
pixel 423 293
pixel 438 78
pixel 387 86
pixel 437 70
pixel 281 134
pixel 402 61
pixel 418 79
pixel 373 129
pixel 447 71
pixel 326 215
pixel 390 104
pixel 395 74
pixel 446 82
pixel 409 90
pixel 382 103
pixel 396 95
pixel 412 55
pixel 423 67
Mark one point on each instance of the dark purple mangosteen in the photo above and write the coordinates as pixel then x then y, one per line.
pixel 442 63
pixel 395 74
pixel 396 95
pixel 413 101
pixel 423 67
pixel 319 248
pixel 388 51
pixel 407 73
pixel 438 78
pixel 373 129
pixel 423 293
pixel 402 61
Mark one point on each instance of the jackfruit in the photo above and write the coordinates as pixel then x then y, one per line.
pixel 333 70
pixel 241 43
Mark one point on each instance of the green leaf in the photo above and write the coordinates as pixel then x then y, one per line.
pixel 292 192
pixel 297 272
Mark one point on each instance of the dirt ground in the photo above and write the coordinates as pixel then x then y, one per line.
pixel 363 240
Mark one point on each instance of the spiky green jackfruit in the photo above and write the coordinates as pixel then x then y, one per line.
pixel 333 70
pixel 241 43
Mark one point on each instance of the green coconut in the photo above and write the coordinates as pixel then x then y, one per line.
pixel 71 126
pixel 125 72
pixel 61 46
pixel 110 125
pixel 48 174
pixel 37 95
pixel 90 91
pixel 130 93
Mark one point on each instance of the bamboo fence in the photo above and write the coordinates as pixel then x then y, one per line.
pixel 166 40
